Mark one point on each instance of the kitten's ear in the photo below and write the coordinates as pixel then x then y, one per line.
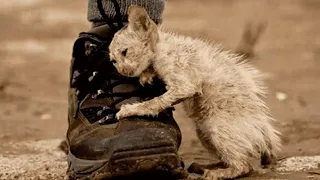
pixel 138 19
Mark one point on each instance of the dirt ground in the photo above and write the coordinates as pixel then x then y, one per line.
pixel 35 49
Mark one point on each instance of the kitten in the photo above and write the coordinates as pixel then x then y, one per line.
pixel 220 93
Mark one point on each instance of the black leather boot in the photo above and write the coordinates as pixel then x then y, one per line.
pixel 99 146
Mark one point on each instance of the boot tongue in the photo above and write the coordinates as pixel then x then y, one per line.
pixel 104 31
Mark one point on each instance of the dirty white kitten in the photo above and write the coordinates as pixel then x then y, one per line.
pixel 221 94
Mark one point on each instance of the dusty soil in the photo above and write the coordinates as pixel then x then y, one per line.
pixel 35 49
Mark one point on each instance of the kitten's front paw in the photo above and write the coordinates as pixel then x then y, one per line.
pixel 138 109
pixel 126 110
pixel 122 113
pixel 146 79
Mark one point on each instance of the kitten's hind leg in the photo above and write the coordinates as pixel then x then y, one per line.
pixel 227 173
pixel 227 142
pixel 267 160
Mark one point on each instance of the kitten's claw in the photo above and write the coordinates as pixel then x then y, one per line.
pixel 145 80
pixel 118 116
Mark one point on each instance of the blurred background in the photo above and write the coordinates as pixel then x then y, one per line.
pixel 36 40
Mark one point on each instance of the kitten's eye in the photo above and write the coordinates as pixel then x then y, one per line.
pixel 113 61
pixel 124 52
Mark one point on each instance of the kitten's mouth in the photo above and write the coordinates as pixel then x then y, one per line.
pixel 131 75
pixel 128 73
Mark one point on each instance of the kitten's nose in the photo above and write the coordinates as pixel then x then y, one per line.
pixel 129 73
pixel 123 71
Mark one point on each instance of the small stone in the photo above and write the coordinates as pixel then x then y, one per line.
pixel 46 116
pixel 281 96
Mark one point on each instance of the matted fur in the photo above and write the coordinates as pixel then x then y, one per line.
pixel 221 93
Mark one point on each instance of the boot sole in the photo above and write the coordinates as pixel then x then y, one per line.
pixel 157 162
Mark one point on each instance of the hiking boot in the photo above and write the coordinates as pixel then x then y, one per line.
pixel 101 147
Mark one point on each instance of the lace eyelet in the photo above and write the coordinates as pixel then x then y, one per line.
pixel 108 119
pixel 93 75
pixel 92 45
